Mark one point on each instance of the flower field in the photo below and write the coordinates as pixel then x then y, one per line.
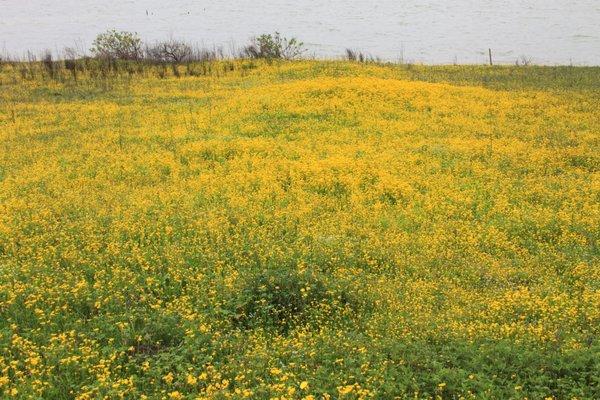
pixel 301 230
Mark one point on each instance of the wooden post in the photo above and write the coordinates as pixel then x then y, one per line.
pixel 490 52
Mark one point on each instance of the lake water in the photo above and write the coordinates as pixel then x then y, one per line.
pixel 428 31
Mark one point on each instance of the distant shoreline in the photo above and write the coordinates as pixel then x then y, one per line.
pixel 231 51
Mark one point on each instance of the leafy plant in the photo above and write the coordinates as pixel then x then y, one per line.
pixel 274 46
pixel 120 45
pixel 283 298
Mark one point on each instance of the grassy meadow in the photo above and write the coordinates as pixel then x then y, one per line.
pixel 299 230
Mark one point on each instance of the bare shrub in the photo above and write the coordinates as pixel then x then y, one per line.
pixel 71 57
pixel 523 61
pixel 359 56
pixel 170 51
pixel 354 55
pixel 49 64
pixel 204 55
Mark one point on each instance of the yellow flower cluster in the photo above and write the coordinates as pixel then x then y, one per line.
pixel 133 222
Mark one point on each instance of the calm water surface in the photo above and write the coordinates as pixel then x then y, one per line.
pixel 429 31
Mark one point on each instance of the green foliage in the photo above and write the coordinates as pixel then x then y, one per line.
pixel 119 45
pixel 274 46
pixel 285 298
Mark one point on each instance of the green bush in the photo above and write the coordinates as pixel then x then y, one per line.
pixel 119 45
pixel 274 46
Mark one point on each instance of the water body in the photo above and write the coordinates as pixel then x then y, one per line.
pixel 427 31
